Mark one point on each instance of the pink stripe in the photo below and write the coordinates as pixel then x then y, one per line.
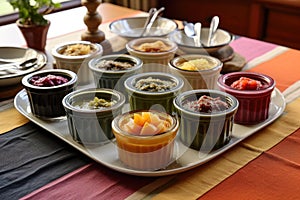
pixel 250 48
pixel 92 181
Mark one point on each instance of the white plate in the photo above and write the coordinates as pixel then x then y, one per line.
pixel 186 158
pixel 18 55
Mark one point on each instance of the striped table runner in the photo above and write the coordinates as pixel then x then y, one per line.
pixel 196 182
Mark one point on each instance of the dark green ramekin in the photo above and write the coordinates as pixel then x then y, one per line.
pixel 144 100
pixel 205 131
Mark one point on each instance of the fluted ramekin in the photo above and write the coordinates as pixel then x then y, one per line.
pixel 197 79
pixel 205 131
pixel 92 126
pixel 139 99
pixel 46 102
pixel 254 104
pixel 145 152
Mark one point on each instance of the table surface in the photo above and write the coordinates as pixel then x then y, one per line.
pixel 36 165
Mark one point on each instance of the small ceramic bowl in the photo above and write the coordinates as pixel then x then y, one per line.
pixel 45 98
pixel 197 71
pixel 131 28
pixel 164 51
pixel 186 45
pixel 204 130
pixel 89 119
pixel 254 103
pixel 143 96
pixel 107 74
pixel 74 56
pixel 145 151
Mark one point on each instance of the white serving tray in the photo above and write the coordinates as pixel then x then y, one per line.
pixel 185 158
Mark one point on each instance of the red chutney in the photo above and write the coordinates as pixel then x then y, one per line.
pixel 207 104
pixel 48 81
pixel 245 83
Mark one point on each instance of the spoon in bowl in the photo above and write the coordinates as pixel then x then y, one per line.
pixel 192 30
pixel 20 66
pixel 150 15
pixel 152 20
pixel 212 29
pixel 197 28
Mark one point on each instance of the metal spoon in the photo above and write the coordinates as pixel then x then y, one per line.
pixel 197 29
pixel 152 20
pixel 190 31
pixel 150 15
pixel 212 29
pixel 20 66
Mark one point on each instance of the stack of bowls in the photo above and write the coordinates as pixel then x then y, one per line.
pixel 219 47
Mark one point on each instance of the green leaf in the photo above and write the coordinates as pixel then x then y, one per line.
pixel 33 11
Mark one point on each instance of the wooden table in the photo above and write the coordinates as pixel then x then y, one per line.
pixel 239 173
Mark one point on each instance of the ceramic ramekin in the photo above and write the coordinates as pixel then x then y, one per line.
pixel 205 131
pixel 254 104
pixel 145 152
pixel 46 102
pixel 92 126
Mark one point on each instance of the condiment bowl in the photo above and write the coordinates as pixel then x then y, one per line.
pixel 152 50
pixel 153 90
pixel 197 71
pixel 46 99
pixel 74 56
pixel 145 149
pixel 254 104
pixel 131 28
pixel 89 121
pixel 201 129
pixel 186 45
pixel 108 75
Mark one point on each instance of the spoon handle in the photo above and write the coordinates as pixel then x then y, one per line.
pixel 212 29
pixel 150 15
pixel 153 18
pixel 198 34
pixel 22 66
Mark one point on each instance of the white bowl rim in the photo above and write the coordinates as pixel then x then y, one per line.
pixel 83 91
pixel 139 63
pixel 98 47
pixel 198 114
pixel 173 49
pixel 141 17
pixel 129 86
pixel 72 74
pixel 219 65
pixel 201 47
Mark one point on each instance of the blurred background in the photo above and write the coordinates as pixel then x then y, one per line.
pixel 273 21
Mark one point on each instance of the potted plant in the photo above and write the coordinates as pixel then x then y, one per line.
pixel 31 22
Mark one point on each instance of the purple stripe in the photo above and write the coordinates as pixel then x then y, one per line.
pixel 92 181
pixel 250 48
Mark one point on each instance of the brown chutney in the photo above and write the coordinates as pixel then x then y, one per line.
pixel 206 104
